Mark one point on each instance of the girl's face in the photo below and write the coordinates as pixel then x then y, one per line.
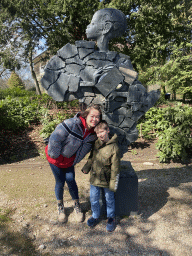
pixel 93 118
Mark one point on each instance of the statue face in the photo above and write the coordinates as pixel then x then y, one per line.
pixel 95 28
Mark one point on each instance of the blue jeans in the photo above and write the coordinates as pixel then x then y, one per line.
pixel 95 205
pixel 61 175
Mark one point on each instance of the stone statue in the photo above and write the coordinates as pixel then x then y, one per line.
pixel 97 75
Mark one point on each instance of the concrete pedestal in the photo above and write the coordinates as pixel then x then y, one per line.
pixel 126 196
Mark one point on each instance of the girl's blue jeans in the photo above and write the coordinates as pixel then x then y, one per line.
pixel 63 175
pixel 95 205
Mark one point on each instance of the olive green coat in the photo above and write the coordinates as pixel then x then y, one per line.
pixel 104 164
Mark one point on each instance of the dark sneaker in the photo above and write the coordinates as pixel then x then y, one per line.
pixel 110 225
pixel 92 222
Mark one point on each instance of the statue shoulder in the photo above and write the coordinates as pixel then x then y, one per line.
pixel 124 61
pixel 80 49
pixel 67 51
pixel 85 48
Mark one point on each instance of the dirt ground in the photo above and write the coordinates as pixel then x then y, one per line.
pixel 28 210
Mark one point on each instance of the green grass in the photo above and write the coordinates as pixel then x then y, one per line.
pixel 29 189
pixel 5 216
pixel 26 184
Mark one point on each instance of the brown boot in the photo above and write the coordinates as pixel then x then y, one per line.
pixel 61 211
pixel 78 211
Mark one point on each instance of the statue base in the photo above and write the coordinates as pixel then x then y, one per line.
pixel 126 196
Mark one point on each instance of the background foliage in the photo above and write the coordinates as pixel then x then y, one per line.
pixel 20 108
pixel 172 126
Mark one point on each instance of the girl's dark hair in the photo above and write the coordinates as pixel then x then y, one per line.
pixel 86 112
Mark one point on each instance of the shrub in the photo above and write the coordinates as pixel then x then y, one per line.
pixel 19 108
pixel 15 92
pixel 50 122
pixel 19 113
pixel 15 81
pixel 172 126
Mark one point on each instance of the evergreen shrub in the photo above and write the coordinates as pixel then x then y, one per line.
pixel 15 81
pixel 172 126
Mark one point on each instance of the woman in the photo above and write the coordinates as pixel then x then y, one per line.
pixel 68 144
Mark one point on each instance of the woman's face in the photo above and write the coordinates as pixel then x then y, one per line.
pixel 93 118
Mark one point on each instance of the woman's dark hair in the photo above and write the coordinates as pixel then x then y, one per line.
pixel 86 112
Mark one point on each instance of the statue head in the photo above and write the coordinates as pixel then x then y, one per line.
pixel 106 24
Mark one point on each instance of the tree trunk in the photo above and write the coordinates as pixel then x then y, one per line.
pixel 38 91
pixel 184 96
pixel 174 95
pixel 163 91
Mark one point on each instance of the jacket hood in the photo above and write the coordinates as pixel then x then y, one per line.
pixel 112 139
